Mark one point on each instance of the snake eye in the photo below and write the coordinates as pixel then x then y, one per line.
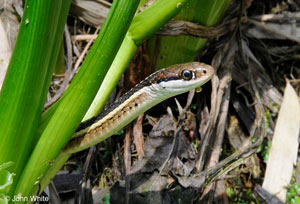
pixel 187 74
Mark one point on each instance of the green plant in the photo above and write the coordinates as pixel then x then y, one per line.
pixel 31 140
pixel 293 193
pixel 28 78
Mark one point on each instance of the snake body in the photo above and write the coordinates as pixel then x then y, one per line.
pixel 159 86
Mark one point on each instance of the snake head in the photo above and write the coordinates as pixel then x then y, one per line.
pixel 182 77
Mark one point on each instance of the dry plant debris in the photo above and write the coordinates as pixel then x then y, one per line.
pixel 215 148
pixel 284 149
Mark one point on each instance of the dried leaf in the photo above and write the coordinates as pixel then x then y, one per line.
pixel 90 12
pixel 283 153
pixel 138 137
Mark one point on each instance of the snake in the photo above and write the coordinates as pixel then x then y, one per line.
pixel 157 87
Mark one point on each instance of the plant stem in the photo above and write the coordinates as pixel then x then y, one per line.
pixel 112 77
pixel 117 68
pixel 168 50
pixel 72 106
pixel 143 25
pixel 28 77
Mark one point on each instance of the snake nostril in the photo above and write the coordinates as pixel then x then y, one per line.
pixel 204 72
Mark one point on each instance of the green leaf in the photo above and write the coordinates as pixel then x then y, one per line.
pixel 68 112
pixel 168 50
pixel 145 24
pixel 4 199
pixel 6 180
pixel 106 199
pixel 6 165
pixel 150 20
pixel 28 77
